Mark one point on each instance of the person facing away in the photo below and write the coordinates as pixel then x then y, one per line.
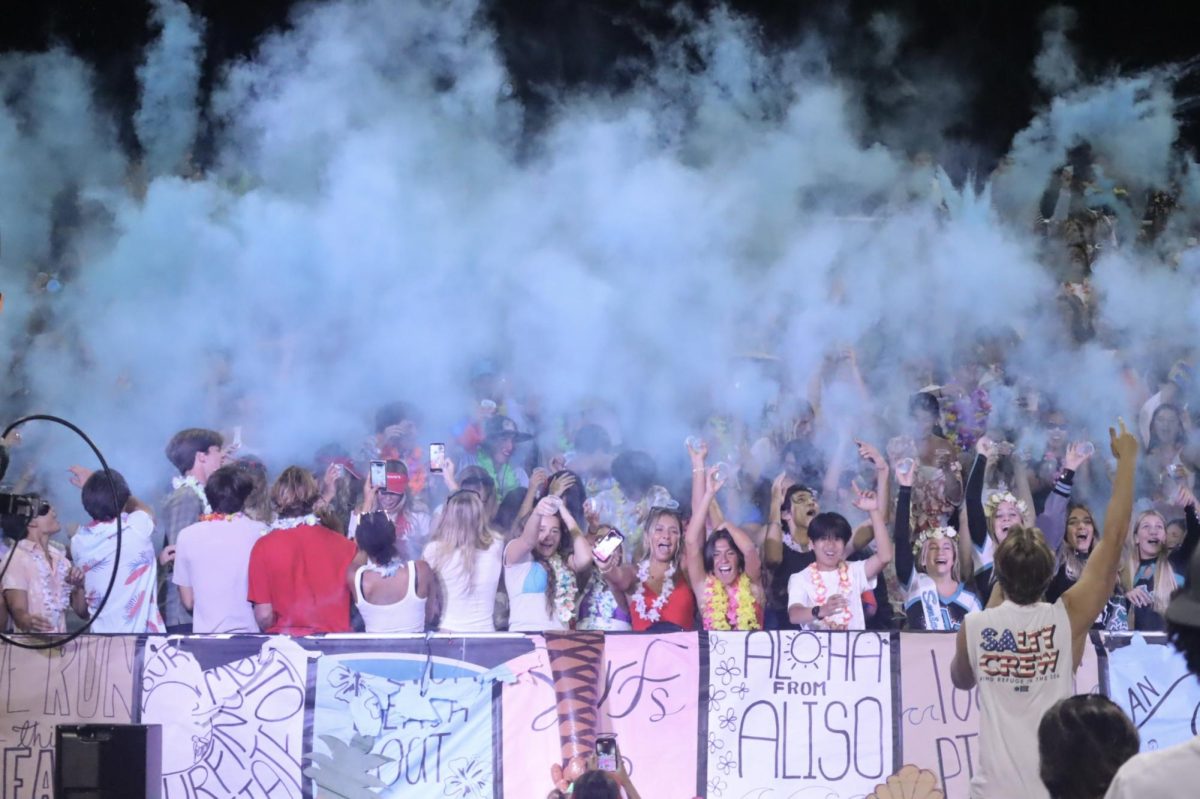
pixel 212 556
pixel 1173 772
pixel 1022 652
pixel 1082 741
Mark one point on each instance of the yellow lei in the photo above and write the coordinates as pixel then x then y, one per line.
pixel 716 605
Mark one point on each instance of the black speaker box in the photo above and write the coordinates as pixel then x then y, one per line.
pixel 108 761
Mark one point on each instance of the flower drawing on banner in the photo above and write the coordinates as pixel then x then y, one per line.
pixel 467 780
pixel 740 690
pixel 727 670
pixel 716 645
pixel 729 720
pixel 715 744
pixel 715 698
pixel 726 763
pixel 717 786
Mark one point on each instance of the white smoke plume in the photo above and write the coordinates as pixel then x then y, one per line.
pixel 378 217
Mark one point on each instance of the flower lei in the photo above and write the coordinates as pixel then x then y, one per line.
pixel 654 612
pixel 998 497
pixel 716 606
pixel 791 544
pixel 219 517
pixel 386 569
pixel 932 534
pixel 565 589
pixel 822 594
pixel 191 482
pixel 599 601
pixel 288 522
pixel 55 606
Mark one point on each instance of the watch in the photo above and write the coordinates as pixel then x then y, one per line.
pixel 816 611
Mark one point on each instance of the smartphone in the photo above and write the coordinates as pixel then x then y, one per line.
pixel 607 545
pixel 437 457
pixel 606 753
pixel 379 474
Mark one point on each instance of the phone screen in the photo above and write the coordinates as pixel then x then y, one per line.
pixel 437 457
pixel 606 753
pixel 378 474
pixel 607 545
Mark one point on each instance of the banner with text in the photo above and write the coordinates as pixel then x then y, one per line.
pixel 1149 679
pixel 798 711
pixel 88 681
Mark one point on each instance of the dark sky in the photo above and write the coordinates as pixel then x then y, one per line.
pixel 554 43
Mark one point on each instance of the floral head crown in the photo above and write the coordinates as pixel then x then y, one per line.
pixel 933 534
pixel 997 497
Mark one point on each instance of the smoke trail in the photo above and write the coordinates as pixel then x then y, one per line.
pixel 167 120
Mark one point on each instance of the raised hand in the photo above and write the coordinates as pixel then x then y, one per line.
pixel 548 506
pixel 866 501
pixel 79 475
pixel 1077 454
pixel 561 484
pixel 1124 445
pixel 986 447
pixel 537 480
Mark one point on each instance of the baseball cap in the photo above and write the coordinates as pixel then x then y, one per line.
pixel 501 426
pixel 1184 609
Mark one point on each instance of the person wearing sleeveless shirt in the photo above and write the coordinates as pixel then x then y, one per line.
pixel 390 591
pixel 661 594
pixel 542 567
pixel 1022 652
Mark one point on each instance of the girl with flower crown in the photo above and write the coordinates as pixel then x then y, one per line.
pixel 725 571
pixel 542 566
pixel 935 597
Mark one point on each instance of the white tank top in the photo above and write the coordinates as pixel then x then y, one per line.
pixel 1023 660
pixel 405 616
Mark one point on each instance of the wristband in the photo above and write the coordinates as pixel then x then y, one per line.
pixel 816 611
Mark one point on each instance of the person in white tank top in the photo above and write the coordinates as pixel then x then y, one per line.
pixel 1023 652
pixel 390 591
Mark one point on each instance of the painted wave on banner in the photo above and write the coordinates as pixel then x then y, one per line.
pixel 404 735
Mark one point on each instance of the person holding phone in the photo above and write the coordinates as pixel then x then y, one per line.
pixel 388 489
pixel 605 778
pixel 542 566
pixel 604 605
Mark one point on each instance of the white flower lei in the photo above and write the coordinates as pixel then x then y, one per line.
pixel 288 522
pixel 791 544
pixel 386 569
pixel 54 605
pixel 565 588
pixel 652 613
pixel 600 602
pixel 191 482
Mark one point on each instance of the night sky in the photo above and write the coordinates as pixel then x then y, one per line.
pixel 550 44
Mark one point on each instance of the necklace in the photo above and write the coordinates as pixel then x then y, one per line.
pixel 791 544
pixel 719 614
pixel 654 612
pixel 288 522
pixel 219 517
pixel 840 620
pixel 191 482
pixel 565 588
pixel 386 569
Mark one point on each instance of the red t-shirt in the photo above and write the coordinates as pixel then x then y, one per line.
pixel 301 572
pixel 680 608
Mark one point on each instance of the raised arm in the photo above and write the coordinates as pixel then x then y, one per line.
pixel 750 552
pixel 519 548
pixel 694 538
pixel 1052 521
pixel 1191 533
pixel 1086 598
pixel 581 551
pixel 1022 492
pixel 697 455
pixel 904 555
pixel 773 543
pixel 869 501
pixel 976 518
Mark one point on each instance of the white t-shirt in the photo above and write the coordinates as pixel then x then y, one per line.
pixel 525 583
pixel 133 605
pixel 803 590
pixel 213 559
pixel 467 608
pixel 1170 773
pixel 1022 658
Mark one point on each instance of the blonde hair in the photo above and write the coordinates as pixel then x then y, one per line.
pixel 923 555
pixel 1162 584
pixel 461 528
pixel 644 545
pixel 295 492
